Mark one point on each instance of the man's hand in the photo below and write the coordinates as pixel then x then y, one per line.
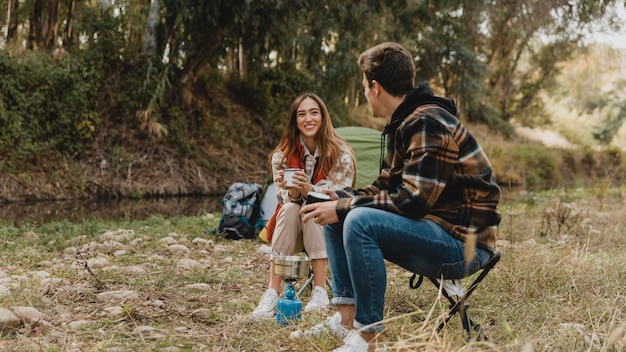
pixel 322 213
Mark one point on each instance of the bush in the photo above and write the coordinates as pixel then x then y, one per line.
pixel 44 107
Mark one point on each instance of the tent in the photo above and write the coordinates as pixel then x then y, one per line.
pixel 365 143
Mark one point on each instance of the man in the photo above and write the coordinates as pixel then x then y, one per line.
pixel 434 197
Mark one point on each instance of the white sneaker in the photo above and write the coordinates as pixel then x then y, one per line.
pixel 319 300
pixel 267 304
pixel 353 343
pixel 331 325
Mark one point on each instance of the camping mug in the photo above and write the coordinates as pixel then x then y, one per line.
pixel 288 177
pixel 316 197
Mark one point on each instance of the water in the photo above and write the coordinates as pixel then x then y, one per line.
pixel 116 209
pixel 39 212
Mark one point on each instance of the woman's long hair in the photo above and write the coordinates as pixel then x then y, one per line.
pixel 327 140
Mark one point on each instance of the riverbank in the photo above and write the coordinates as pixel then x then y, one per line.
pixel 79 210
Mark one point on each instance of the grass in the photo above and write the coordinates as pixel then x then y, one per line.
pixel 559 286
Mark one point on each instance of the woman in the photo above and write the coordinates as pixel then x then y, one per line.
pixel 326 161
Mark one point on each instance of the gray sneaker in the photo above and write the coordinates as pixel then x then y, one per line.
pixel 267 305
pixel 331 325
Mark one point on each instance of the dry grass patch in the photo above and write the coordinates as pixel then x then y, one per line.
pixel 559 287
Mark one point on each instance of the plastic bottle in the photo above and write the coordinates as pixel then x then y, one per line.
pixel 289 308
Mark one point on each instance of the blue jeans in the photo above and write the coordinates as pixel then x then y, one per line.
pixel 357 247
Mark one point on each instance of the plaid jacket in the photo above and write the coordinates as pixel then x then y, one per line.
pixel 434 169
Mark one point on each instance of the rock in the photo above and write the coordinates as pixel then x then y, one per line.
pixel 203 243
pixel 112 246
pixel 167 241
pixel 87 248
pixel 51 285
pixel 121 295
pixel 221 248
pixel 97 263
pixel 78 324
pixel 119 253
pixel 188 264
pixel 45 264
pixel 178 249
pixel 156 303
pixel 120 235
pixel 115 312
pixel 148 332
pixel 4 291
pixel 199 286
pixel 8 320
pixel 136 241
pixel 28 314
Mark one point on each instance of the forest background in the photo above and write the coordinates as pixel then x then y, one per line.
pixel 157 98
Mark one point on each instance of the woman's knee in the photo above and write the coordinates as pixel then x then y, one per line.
pixel 289 210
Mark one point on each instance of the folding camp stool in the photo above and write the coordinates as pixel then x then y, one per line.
pixel 458 303
pixel 309 283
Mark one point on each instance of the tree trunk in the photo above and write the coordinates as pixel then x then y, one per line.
pixel 51 25
pixel 11 21
pixel 150 36
pixel 34 32
pixel 68 34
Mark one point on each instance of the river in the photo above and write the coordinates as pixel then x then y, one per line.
pixel 20 213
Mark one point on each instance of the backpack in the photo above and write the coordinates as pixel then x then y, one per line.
pixel 241 210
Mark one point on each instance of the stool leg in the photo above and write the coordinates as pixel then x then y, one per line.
pixel 306 284
pixel 466 321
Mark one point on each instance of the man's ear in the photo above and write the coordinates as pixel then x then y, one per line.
pixel 376 87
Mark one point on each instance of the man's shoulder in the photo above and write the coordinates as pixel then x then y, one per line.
pixel 434 113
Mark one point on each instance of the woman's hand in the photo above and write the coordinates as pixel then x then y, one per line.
pixel 300 184
pixel 280 178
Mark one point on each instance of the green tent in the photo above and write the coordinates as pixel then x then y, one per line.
pixel 366 145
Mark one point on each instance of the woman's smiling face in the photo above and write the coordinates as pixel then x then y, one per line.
pixel 309 118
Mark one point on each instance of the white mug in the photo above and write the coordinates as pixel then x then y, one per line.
pixel 288 177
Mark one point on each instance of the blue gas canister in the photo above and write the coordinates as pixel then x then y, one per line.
pixel 289 308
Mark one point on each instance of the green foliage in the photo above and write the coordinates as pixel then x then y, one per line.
pixel 34 118
pixel 587 105
pixel 537 167
pixel 270 93
pixel 527 166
